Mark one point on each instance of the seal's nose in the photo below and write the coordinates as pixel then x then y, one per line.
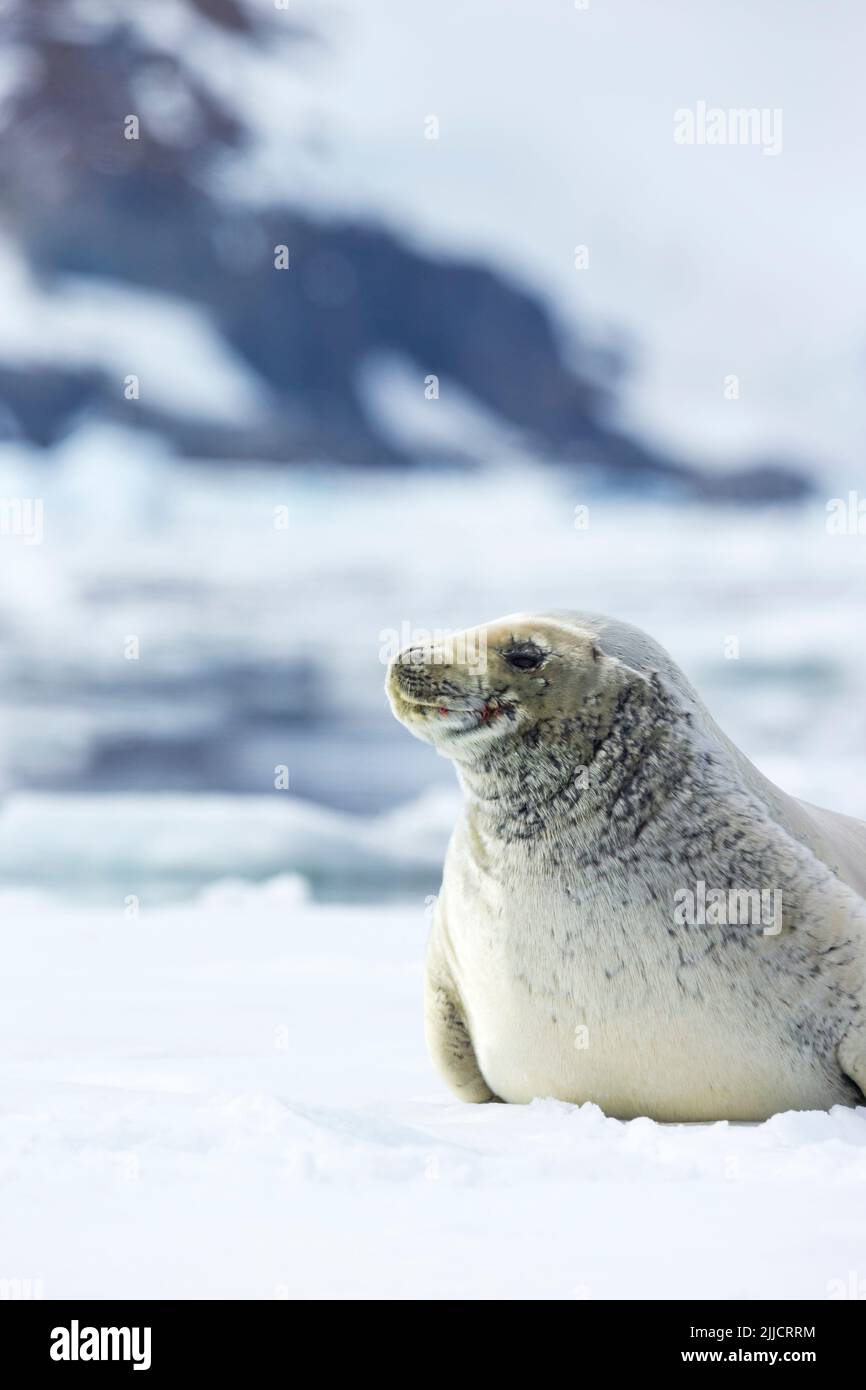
pixel 408 674
pixel 412 656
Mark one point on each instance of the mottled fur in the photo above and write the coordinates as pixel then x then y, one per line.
pixel 596 787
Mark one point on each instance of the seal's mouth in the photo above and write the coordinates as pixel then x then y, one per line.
pixel 459 719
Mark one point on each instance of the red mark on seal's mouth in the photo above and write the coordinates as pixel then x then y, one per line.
pixel 491 709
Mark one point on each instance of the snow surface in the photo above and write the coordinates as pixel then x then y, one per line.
pixel 231 1098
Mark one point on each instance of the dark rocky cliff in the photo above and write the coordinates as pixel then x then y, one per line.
pixel 82 199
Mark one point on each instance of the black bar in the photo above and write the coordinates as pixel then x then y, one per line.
pixel 218 1339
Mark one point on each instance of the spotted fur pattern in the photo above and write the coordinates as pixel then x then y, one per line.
pixel 598 791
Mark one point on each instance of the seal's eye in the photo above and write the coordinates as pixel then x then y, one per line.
pixel 524 658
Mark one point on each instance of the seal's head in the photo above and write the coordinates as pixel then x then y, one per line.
pixel 468 691
pixel 559 723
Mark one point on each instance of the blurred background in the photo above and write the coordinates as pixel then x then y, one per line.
pixel 321 322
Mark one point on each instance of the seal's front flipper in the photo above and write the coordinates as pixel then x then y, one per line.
pixel 448 1040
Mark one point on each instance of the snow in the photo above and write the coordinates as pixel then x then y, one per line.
pixel 231 1098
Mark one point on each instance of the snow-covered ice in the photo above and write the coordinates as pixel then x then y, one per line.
pixel 230 1095
pixel 231 1098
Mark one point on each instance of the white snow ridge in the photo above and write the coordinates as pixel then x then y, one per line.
pixel 231 1098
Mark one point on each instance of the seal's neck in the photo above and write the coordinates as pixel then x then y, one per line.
pixel 593 780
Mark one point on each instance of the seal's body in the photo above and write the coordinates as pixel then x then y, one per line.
pixel 630 913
